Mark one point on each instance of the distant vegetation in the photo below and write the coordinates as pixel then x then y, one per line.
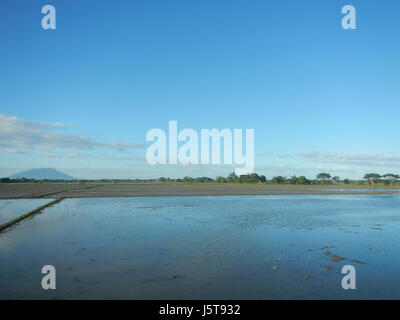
pixel 322 178
pixel 25 180
pixel 372 179
pixel 113 181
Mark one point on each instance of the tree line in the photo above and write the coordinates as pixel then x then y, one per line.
pixel 388 179
pixel 320 178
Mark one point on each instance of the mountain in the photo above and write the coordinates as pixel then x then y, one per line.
pixel 41 174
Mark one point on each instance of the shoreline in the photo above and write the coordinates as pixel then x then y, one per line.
pixel 70 190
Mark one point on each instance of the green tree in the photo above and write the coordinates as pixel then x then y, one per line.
pixel 302 180
pixel 220 180
pixel 188 179
pixel 203 179
pixel 278 180
pixel 336 179
pixel 232 178
pixel 254 178
pixel 293 180
pixel 372 178
pixel 323 177
pixel 392 178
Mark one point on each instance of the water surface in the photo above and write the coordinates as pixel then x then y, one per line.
pixel 11 209
pixel 234 247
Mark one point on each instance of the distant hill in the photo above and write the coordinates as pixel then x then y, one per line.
pixel 41 174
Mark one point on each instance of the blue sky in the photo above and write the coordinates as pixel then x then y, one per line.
pixel 81 98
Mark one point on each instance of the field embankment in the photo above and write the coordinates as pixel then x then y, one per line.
pixel 52 190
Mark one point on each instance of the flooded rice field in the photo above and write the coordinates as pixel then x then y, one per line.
pixel 228 247
pixel 11 209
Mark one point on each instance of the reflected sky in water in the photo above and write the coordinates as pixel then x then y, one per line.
pixel 241 247
pixel 11 209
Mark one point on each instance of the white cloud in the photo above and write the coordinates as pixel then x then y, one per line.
pixel 363 159
pixel 338 169
pixel 69 155
pixel 9 150
pixel 121 146
pixel 342 168
pixel 19 135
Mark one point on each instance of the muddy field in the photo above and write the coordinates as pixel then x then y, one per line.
pixel 71 190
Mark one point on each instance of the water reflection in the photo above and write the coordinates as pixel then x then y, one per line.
pixel 242 247
pixel 11 209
